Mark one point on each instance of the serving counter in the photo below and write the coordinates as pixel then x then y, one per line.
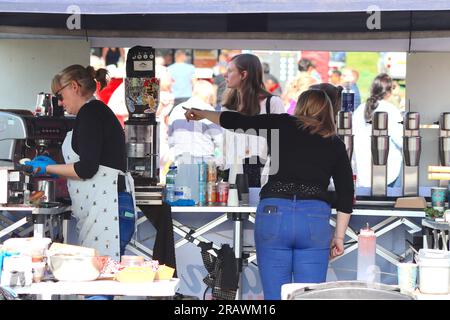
pixel 157 288
pixel 391 219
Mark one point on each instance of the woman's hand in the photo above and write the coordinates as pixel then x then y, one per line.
pixel 194 114
pixel 337 247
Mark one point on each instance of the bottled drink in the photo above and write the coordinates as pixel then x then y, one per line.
pixel 202 177
pixel 212 171
pixel 348 99
pixel 170 184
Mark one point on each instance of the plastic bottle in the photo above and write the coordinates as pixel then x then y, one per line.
pixel 348 99
pixel 367 268
pixel 202 177
pixel 26 196
pixel 170 184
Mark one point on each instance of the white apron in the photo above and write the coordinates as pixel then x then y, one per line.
pixel 95 204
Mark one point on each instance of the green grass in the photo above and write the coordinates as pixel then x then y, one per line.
pixel 366 63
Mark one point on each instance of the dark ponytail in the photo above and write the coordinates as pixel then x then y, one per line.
pixel 381 86
pixel 100 75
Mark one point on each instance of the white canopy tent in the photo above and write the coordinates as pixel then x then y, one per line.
pixel 217 6
pixel 339 25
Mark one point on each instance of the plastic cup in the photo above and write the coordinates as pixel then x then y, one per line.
pixel 38 269
pixel 407 277
pixel 233 199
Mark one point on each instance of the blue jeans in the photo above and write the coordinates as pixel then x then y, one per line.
pixel 126 229
pixel 292 239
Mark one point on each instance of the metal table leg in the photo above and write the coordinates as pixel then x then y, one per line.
pixel 238 236
pixel 39 225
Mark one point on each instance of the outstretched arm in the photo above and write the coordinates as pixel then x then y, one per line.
pixel 197 114
pixel 236 120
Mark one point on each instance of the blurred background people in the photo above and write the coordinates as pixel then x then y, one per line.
pixel 306 65
pixel 270 81
pixel 335 77
pixel 295 88
pixel 199 139
pixel 378 100
pixel 182 74
pixel 113 56
pixel 165 106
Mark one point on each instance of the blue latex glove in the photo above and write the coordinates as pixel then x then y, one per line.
pixel 39 167
pixel 44 159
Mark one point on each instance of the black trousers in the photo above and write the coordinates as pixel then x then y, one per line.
pixel 164 248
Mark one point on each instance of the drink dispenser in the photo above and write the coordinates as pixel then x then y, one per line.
pixel 380 151
pixel 344 130
pixel 412 146
pixel 141 128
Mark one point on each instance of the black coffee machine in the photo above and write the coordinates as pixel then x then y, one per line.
pixel 141 128
pixel 27 136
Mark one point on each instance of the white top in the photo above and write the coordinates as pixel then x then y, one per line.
pixel 362 145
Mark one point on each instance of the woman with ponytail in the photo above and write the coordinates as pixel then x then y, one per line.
pixel 380 92
pixel 293 237
pixel 95 162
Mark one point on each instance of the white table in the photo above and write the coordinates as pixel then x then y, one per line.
pixel 392 219
pixel 39 218
pixel 157 288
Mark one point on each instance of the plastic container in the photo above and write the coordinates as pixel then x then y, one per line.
pixel 132 261
pixel 367 242
pixel 170 183
pixel 434 271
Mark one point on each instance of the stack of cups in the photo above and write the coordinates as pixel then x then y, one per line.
pixel 242 188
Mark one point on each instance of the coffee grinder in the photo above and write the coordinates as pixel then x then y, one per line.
pixel 412 146
pixel 141 128
pixel 345 131
pixel 380 152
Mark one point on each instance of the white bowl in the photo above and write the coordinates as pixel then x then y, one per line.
pixel 74 267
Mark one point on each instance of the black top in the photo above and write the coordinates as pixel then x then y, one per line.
pixel 305 161
pixel 98 138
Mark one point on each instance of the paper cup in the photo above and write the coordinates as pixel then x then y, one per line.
pixel 233 199
pixel 407 277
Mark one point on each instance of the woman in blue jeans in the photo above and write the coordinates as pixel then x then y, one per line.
pixel 293 237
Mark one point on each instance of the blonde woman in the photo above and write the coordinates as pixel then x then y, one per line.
pixel 293 237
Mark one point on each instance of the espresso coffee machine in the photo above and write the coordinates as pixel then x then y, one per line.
pixel 23 135
pixel 141 128
pixel 344 130
pixel 380 151
pixel 412 146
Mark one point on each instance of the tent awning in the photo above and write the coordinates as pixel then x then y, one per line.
pixel 216 6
